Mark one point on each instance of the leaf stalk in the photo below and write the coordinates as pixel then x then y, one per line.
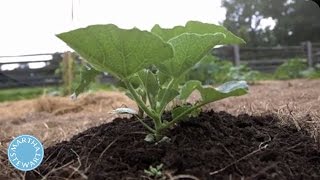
pixel 142 105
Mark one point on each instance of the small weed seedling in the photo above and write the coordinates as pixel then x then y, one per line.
pixel 152 66
pixel 155 172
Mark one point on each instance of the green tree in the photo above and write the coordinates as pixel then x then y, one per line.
pixel 296 21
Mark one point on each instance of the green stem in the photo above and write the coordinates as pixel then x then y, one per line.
pixel 151 102
pixel 141 112
pixel 146 125
pixel 142 105
pixel 162 104
pixel 179 118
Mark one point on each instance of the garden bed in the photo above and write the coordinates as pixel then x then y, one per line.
pixel 55 119
pixel 212 146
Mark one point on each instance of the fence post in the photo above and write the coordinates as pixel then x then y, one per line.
pixel 236 53
pixel 309 52
pixel 67 72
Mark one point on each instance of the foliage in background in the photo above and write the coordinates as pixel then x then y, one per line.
pixel 71 69
pixel 292 69
pixel 296 21
pixel 152 66
pixel 211 70
pixel 296 68
pixel 20 93
pixel 243 72
pixel 313 73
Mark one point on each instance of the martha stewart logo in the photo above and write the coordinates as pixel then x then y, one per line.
pixel 25 152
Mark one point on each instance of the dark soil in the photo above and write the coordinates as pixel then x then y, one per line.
pixel 245 146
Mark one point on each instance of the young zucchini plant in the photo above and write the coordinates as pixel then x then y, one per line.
pixel 151 65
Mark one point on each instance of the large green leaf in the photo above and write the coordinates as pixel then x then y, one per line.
pixel 189 49
pixel 167 34
pixel 117 51
pixel 209 94
pixel 199 28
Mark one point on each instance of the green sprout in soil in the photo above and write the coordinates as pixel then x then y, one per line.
pixel 152 66
pixel 155 172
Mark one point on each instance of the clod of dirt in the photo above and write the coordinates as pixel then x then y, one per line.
pixel 211 146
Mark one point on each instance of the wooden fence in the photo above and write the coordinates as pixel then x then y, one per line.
pixel 24 76
pixel 267 59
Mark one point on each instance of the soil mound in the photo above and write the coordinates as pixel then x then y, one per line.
pixel 211 146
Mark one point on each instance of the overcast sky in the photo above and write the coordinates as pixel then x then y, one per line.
pixel 29 26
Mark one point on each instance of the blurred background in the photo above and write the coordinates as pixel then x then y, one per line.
pixel 283 40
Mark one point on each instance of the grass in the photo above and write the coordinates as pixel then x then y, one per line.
pixel 14 94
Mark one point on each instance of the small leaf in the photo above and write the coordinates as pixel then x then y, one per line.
pixel 87 75
pixel 149 81
pixel 154 171
pixel 159 167
pixel 119 52
pixel 233 88
pixel 188 88
pixel 163 78
pixel 148 172
pixel 167 95
pixel 134 80
pixel 209 94
pixel 179 110
pixel 195 113
pixel 150 85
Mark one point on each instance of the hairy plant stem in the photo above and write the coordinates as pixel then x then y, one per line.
pixel 147 95
pixel 146 125
pixel 141 112
pixel 143 106
pixel 162 103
